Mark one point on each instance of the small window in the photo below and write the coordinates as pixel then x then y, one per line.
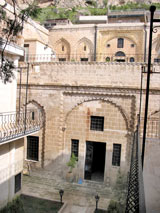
pixel 75 147
pixel 62 48
pixel 84 59
pixel 116 157
pixel 120 43
pixel 26 45
pixel 108 45
pixel 120 54
pixel 157 60
pixel 32 148
pixel 32 115
pixel 17 183
pixel 85 48
pixel 62 59
pixel 97 123
pixel 131 59
pixel 132 45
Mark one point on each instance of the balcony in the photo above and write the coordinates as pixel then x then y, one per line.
pixel 14 125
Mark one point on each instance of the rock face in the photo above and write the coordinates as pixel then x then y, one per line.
pixel 84 3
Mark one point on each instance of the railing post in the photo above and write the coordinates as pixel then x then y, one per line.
pixel 152 10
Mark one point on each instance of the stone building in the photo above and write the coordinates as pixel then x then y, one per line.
pixel 90 94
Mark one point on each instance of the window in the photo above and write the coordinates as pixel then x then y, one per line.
pixel 84 59
pixel 62 59
pixel 108 45
pixel 131 59
pixel 32 148
pixel 75 147
pixel 157 60
pixel 97 123
pixel 32 115
pixel 116 157
pixel 85 48
pixel 132 45
pixel 17 183
pixel 120 53
pixel 120 43
pixel 62 48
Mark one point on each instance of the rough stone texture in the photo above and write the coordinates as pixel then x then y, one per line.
pixel 71 92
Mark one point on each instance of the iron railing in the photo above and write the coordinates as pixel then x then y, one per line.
pixel 135 198
pixel 101 57
pixel 17 124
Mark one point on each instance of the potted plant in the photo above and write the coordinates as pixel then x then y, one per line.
pixel 71 164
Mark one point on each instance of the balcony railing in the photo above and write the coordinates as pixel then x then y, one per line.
pixel 135 198
pixel 101 57
pixel 17 124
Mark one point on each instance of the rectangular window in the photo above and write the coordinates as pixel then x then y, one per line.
pixel 32 148
pixel 120 43
pixel 157 60
pixel 62 59
pixel 97 123
pixel 32 115
pixel 17 182
pixel 84 59
pixel 75 147
pixel 116 157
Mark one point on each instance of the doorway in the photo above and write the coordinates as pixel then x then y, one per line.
pixel 95 161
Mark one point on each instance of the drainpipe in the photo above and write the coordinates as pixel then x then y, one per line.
pixel 145 42
pixel 95 43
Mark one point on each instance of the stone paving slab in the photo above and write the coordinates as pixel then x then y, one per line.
pixel 74 194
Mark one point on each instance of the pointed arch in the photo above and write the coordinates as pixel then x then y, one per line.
pixel 62 49
pixel 121 110
pixel 84 48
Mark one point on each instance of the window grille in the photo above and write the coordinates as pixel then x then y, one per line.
pixel 157 60
pixel 62 59
pixel 32 148
pixel 75 147
pixel 116 157
pixel 120 43
pixel 97 123
pixel 17 182
pixel 84 59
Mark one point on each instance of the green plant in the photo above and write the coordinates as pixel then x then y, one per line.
pixel 72 162
pixel 114 207
pixel 16 206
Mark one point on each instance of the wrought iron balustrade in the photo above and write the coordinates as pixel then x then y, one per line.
pixel 17 124
pixel 100 57
pixel 135 198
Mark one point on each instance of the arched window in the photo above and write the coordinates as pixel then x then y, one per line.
pixel 85 48
pixel 120 43
pixel 131 59
pixel 62 47
pixel 120 53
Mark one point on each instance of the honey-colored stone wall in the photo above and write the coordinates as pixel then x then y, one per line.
pixel 69 90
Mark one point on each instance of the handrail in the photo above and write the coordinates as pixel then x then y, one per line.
pixel 13 125
pixel 135 202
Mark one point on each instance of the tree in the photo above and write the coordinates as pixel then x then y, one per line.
pixel 12 26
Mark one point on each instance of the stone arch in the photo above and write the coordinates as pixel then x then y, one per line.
pixel 34 104
pixel 121 36
pixel 84 49
pixel 121 110
pixel 62 49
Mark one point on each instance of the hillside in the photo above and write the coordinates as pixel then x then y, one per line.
pixel 71 9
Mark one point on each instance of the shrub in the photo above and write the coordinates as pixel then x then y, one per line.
pixel 72 162
pixel 16 206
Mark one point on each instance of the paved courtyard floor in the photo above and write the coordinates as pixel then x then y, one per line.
pixel 78 198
